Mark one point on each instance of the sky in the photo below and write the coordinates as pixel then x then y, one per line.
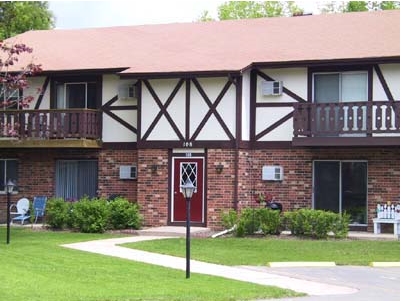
pixel 84 14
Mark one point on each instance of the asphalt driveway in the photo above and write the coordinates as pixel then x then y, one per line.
pixel 373 284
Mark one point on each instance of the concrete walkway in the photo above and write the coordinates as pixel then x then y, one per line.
pixel 111 247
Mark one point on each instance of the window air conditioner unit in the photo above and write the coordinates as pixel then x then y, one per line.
pixel 272 173
pixel 128 172
pixel 269 88
pixel 127 92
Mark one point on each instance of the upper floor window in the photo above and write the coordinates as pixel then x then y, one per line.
pixel 8 171
pixel 78 92
pixel 340 87
pixel 9 98
pixel 76 95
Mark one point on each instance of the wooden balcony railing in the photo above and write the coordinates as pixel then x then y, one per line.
pixel 50 124
pixel 360 119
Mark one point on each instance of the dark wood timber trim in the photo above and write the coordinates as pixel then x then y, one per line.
pixel 274 104
pixel 239 92
pixel 274 126
pixel 188 98
pixel 88 72
pixel 42 93
pixel 324 63
pixel 121 121
pixel 184 74
pixel 272 145
pixel 139 114
pixel 120 145
pixel 346 141
pixel 179 144
pixel 108 108
pixel 383 83
pixel 212 109
pixel 163 109
pixel 253 100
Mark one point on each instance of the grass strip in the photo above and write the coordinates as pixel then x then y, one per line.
pixel 34 267
pixel 260 251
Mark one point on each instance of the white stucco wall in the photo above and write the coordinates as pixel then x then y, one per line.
pixel 295 80
pixel 212 130
pixel 114 131
pixel 391 73
pixel 34 89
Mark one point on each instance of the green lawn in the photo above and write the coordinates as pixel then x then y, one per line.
pixel 34 267
pixel 260 251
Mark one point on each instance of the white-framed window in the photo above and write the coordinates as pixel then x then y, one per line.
pixel 329 87
pixel 8 171
pixel 76 95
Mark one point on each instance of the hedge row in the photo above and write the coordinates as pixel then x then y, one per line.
pixel 303 222
pixel 93 215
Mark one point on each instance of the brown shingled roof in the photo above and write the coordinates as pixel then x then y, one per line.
pixel 218 46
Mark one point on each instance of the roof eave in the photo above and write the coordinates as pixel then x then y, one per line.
pixel 326 62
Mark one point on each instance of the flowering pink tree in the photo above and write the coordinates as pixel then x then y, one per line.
pixel 13 80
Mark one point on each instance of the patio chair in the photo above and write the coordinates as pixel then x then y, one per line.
pixel 39 206
pixel 20 210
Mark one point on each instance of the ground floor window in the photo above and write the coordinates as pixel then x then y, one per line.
pixel 76 178
pixel 8 171
pixel 341 186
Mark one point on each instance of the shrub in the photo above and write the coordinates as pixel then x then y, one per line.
pixel 316 223
pixel 57 213
pixel 269 221
pixel 251 220
pixel 123 214
pixel 90 216
pixel 229 219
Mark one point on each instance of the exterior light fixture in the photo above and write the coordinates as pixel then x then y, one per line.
pixel 219 168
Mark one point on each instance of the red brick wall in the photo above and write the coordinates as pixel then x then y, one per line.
pixel 220 186
pixel 37 172
pixel 109 182
pixel 295 191
pixel 153 186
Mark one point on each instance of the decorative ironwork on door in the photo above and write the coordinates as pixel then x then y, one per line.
pixel 188 170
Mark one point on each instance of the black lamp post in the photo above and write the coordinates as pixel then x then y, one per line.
pixel 188 190
pixel 9 188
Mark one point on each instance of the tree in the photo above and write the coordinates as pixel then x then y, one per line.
pixel 353 6
pixel 12 82
pixel 253 9
pixel 20 16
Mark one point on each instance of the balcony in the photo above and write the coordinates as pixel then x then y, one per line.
pixel 346 124
pixel 50 128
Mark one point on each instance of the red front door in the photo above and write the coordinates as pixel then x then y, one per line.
pixel 183 169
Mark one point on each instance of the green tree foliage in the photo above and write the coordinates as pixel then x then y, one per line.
pixel 353 6
pixel 20 16
pixel 232 10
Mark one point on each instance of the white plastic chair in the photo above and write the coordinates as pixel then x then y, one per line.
pixel 21 210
